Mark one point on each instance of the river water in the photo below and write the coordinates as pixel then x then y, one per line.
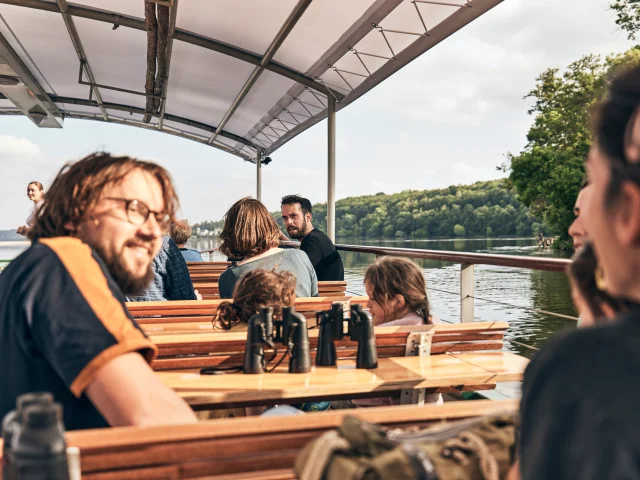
pixel 522 293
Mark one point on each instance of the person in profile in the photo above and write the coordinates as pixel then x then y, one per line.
pixel 297 215
pixel 594 304
pixel 397 297
pixel 579 408
pixel 35 192
pixel 180 232
pixel 577 229
pixel 250 236
pixel 64 326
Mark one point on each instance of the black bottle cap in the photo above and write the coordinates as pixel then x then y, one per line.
pixel 42 416
pixel 33 398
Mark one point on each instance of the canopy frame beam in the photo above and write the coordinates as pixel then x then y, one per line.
pixel 42 101
pixel 331 169
pixel 84 62
pixel 168 117
pixel 281 36
pixel 173 16
pixel 121 20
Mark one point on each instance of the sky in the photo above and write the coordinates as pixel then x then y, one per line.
pixel 450 117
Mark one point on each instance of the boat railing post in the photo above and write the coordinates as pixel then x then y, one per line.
pixel 467 280
pixel 331 171
pixel 259 175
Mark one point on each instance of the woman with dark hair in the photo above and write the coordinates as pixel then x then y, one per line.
pixel 594 304
pixel 35 192
pixel 251 237
pixel 579 411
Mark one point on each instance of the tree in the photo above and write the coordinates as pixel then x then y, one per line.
pixel 549 171
pixel 459 231
pixel 628 16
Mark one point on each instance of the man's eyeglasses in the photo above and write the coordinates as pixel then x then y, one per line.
pixel 138 213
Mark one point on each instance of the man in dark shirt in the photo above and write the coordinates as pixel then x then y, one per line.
pixel 64 327
pixel 297 216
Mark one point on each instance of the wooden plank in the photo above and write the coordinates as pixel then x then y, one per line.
pixel 328 382
pixel 208 307
pixel 241 448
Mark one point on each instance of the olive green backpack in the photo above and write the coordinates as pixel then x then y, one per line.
pixel 479 448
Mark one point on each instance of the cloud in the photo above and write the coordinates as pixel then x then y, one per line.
pixel 17 147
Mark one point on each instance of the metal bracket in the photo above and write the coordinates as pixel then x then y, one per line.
pixel 418 345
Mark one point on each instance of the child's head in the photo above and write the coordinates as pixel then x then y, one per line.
pixel 257 289
pixel 594 304
pixel 395 287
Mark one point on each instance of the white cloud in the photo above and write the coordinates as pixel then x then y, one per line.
pixel 17 147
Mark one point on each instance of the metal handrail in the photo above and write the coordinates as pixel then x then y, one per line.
pixel 467 258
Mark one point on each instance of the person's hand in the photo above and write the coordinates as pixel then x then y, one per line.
pixel 22 230
pixel 198 296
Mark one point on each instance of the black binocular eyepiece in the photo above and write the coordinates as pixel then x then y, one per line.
pixel 361 331
pixel 290 331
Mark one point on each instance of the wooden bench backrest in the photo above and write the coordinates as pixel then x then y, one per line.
pixel 201 311
pixel 199 350
pixel 209 289
pixel 240 448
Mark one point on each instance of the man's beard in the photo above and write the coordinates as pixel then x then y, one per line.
pixel 299 232
pixel 130 285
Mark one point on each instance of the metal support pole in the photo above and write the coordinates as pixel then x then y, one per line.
pixel 331 153
pixel 259 175
pixel 467 281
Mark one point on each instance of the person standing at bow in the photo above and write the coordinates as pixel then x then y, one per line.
pixel 35 192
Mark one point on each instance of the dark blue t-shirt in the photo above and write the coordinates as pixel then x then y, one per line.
pixel 62 317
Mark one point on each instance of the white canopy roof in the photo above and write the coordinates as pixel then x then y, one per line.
pixel 245 76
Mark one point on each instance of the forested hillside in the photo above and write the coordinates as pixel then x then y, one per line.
pixel 481 209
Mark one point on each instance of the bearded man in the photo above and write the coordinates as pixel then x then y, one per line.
pixel 297 216
pixel 64 327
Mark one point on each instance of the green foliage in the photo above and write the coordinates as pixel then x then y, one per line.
pixel 459 231
pixel 484 208
pixel 628 16
pixel 548 173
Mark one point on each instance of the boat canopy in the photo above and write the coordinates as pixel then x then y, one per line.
pixel 243 76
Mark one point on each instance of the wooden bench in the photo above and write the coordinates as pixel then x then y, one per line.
pixel 200 347
pixel 199 313
pixel 210 291
pixel 240 448
pixel 205 277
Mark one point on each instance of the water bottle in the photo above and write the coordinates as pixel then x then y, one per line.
pixel 11 427
pixel 39 449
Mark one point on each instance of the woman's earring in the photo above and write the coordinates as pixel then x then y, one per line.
pixel 601 282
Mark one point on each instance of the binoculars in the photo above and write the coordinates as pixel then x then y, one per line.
pixel 290 331
pixel 360 330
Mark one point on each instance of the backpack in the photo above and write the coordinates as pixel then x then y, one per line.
pixel 479 448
